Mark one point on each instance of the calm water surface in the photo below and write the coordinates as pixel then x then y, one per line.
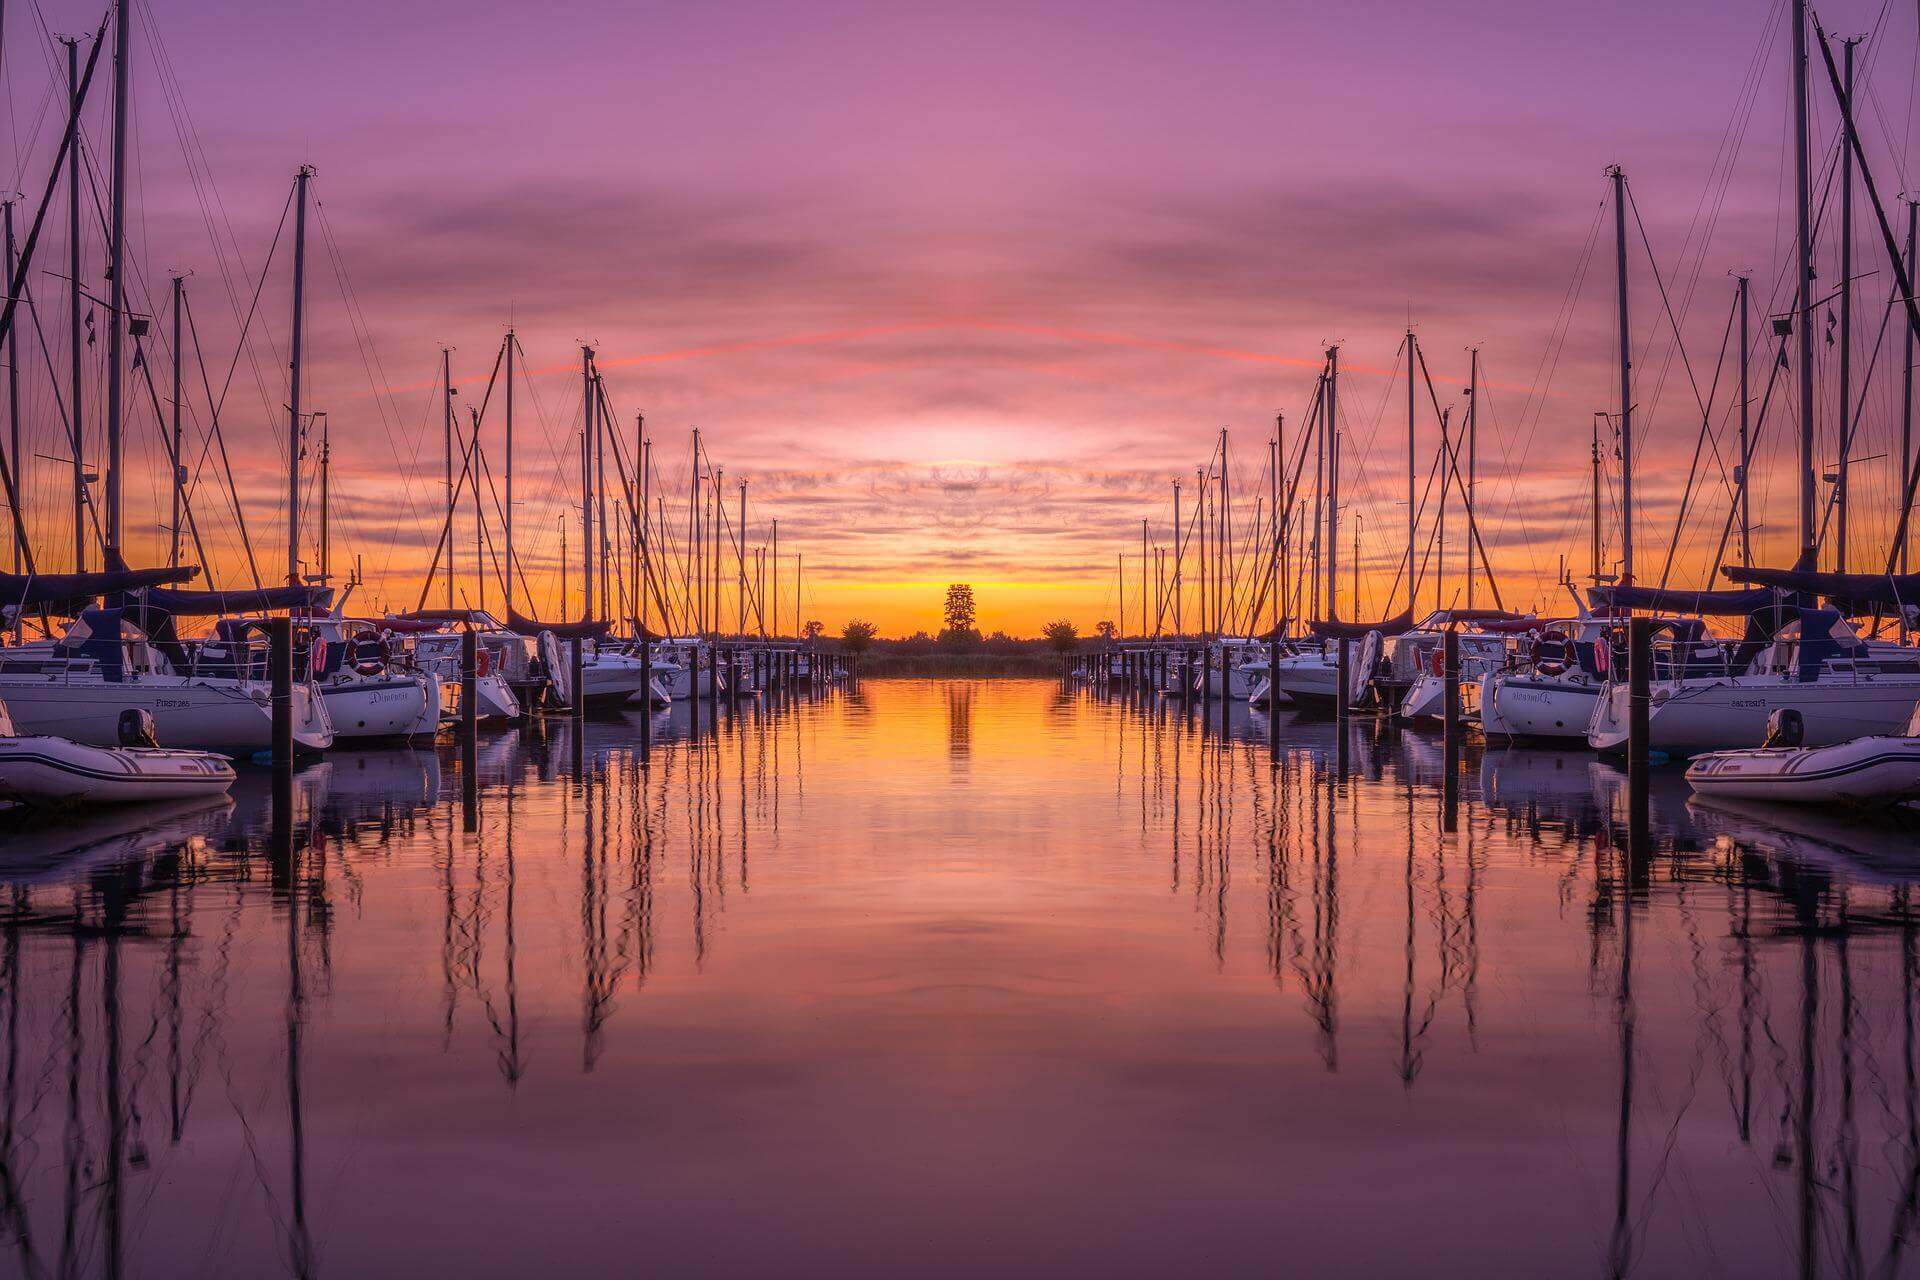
pixel 947 976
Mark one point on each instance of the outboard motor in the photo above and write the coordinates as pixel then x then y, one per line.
pixel 136 728
pixel 1785 728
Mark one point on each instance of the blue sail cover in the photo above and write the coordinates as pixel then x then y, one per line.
pixel 1851 593
pixel 211 604
pixel 68 594
pixel 1717 604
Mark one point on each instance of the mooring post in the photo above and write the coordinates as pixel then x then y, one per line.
pixel 469 676
pixel 1273 698
pixel 1341 668
pixel 1225 695
pixel 1639 700
pixel 280 675
pixel 646 711
pixel 576 668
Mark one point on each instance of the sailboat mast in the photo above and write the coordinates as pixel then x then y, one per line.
pixel 1143 571
pixel 1413 513
pixel 298 342
pixel 1225 558
pixel 507 516
pixel 116 285
pixel 1626 375
pixel 13 411
pixel 740 559
pixel 696 607
pixel 1746 439
pixel 586 480
pixel 1331 427
pixel 1906 385
pixel 479 518
pixel 1279 521
pixel 326 499
pixel 1840 492
pixel 1803 288
pixel 75 403
pixel 1179 557
pixel 1473 459
pixel 1200 520
pixel 178 487
pixel 645 455
pixel 1593 542
pixel 773 557
pixel 446 438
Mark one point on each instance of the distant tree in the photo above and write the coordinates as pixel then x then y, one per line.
pixel 813 630
pixel 1107 631
pixel 857 636
pixel 1062 636
pixel 959 611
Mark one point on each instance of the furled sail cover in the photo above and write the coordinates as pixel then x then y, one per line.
pixel 584 629
pixel 69 593
pixel 1716 604
pixel 213 604
pixel 1851 593
pixel 1399 624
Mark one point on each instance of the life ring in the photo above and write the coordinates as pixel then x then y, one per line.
pixel 1602 655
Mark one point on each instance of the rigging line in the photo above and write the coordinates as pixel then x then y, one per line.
pixel 161 427
pixel 1699 442
pixel 1453 476
pixel 1859 409
pixel 1666 303
pixel 216 435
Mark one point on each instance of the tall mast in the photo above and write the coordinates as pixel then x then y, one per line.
pixel 1279 521
pixel 1746 439
pixel 1179 557
pixel 179 468
pixel 479 518
pixel 1225 554
pixel 1200 522
pixel 740 558
pixel 601 548
pixel 1844 428
pixel 1593 541
pixel 506 518
pixel 586 480
pixel 1331 427
pixel 1906 383
pixel 116 285
pixel 1473 459
pixel 646 548
pixel 1803 287
pixel 696 606
pixel 446 437
pixel 1626 376
pixel 799 569
pixel 1143 568
pixel 326 499
pixel 294 429
pixel 77 424
pixel 13 415
pixel 773 558
pixel 1413 517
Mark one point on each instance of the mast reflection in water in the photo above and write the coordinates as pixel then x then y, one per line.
pixel 936 977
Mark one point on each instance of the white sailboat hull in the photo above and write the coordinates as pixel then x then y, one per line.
pixel 232 717
pixel 1537 708
pixel 1715 715
pixel 386 706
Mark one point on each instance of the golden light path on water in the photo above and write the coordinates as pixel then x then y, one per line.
pixel 943 976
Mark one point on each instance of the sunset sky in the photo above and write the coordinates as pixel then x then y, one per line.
pixel 961 288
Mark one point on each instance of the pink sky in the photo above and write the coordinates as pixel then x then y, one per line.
pixel 961 288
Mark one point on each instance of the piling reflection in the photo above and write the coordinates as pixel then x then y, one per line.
pixel 907 943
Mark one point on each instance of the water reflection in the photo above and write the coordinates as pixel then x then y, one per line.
pixel 835 979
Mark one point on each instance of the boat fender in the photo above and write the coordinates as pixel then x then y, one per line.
pixel 1602 655
pixel 1786 727
pixel 136 728
pixel 482 660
